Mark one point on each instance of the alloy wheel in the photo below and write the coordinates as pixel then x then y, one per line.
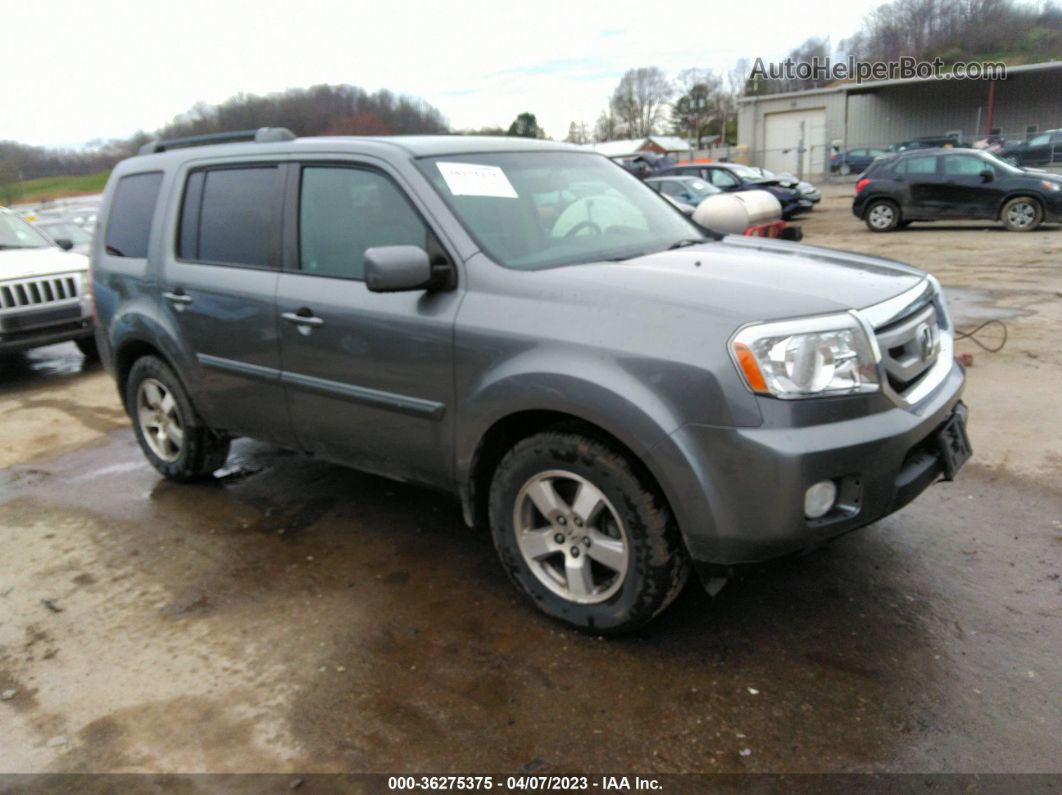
pixel 160 419
pixel 571 537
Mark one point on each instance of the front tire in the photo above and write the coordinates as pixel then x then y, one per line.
pixel 1022 214
pixel 583 534
pixel 170 432
pixel 882 216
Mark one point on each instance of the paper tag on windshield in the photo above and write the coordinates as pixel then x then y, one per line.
pixel 470 179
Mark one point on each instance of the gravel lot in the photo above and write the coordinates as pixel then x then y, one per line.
pixel 297 616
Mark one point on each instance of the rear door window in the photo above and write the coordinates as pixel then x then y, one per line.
pixel 918 166
pixel 227 216
pixel 131 213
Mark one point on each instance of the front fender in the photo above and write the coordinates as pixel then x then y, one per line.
pixel 611 399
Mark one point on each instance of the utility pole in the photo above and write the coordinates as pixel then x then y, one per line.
pixel 697 104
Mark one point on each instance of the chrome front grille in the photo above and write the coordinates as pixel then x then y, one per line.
pixel 915 341
pixel 910 347
pixel 39 291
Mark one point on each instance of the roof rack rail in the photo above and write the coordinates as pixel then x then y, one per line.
pixel 263 135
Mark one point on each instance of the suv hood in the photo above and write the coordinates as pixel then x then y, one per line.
pixel 20 263
pixel 740 278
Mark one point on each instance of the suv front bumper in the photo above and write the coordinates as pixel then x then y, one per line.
pixel 35 328
pixel 738 493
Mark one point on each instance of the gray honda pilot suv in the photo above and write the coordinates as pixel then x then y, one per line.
pixel 616 392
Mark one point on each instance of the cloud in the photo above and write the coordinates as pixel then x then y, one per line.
pixel 104 69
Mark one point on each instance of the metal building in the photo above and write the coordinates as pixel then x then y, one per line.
pixel 797 131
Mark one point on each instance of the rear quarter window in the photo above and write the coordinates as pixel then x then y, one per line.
pixel 131 213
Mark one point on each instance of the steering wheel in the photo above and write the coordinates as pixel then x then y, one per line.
pixel 579 227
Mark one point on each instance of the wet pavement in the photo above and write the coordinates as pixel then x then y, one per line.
pixel 293 615
pixel 316 618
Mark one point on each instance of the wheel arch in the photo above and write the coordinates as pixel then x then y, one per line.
pixel 506 431
pixel 126 355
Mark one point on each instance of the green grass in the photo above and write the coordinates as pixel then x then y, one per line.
pixel 47 188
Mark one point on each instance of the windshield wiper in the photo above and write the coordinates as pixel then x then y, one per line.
pixel 687 241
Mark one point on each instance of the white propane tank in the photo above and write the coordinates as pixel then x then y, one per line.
pixel 733 213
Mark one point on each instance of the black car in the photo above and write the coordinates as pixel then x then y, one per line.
pixel 645 164
pixel 939 184
pixel 927 142
pixel 736 177
pixel 1040 150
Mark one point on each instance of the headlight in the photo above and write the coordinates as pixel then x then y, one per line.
pixel 86 287
pixel 826 355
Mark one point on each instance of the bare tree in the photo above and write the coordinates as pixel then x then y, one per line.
pixel 578 133
pixel 607 126
pixel 697 104
pixel 959 30
pixel 317 110
pixel 640 99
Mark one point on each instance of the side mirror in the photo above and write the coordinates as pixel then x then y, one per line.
pixel 64 243
pixel 987 175
pixel 392 269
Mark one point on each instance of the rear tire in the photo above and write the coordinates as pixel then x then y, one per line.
pixel 87 346
pixel 583 534
pixel 170 432
pixel 845 169
pixel 882 215
pixel 1022 214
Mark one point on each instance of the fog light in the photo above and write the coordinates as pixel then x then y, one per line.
pixel 819 498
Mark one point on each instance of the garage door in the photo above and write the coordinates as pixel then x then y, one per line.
pixel 783 133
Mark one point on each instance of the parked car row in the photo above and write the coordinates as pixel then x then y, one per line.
pixel 1043 149
pixel 735 177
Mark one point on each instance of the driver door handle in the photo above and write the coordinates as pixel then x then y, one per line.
pixel 178 296
pixel 303 318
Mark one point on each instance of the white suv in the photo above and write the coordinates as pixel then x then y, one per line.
pixel 44 291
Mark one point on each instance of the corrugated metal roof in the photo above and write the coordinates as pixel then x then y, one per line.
pixel 871 85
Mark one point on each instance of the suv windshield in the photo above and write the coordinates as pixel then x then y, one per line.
pixel 533 210
pixel 16 233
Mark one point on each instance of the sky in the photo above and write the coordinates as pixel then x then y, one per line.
pixel 107 68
